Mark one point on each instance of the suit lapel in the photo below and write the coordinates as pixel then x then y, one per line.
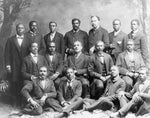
pixel 16 44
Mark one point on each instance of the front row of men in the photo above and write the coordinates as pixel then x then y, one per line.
pixel 85 77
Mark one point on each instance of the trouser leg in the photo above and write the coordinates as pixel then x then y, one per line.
pixel 129 83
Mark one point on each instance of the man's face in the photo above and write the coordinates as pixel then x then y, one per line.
pixel 134 26
pixel 95 22
pixel 70 74
pixel 52 47
pixel 116 25
pixel 52 27
pixel 99 46
pixel 114 71
pixel 142 75
pixel 43 72
pixel 130 46
pixel 20 29
pixel 34 27
pixel 77 47
pixel 34 48
pixel 75 25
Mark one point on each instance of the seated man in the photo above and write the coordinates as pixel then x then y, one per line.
pixel 140 95
pixel 39 93
pixel 110 97
pixel 79 62
pixel 99 68
pixel 129 62
pixel 69 94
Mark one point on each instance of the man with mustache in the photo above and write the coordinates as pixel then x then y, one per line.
pixel 40 93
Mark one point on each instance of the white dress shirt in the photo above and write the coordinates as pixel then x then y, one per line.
pixel 34 57
pixel 52 35
pixel 20 39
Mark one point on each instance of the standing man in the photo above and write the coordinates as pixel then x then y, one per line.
pixel 99 69
pixel 69 94
pixel 115 38
pixel 34 36
pixel 75 34
pixel 17 47
pixel 32 63
pixel 139 41
pixel 79 62
pixel 54 63
pixel 54 36
pixel 97 33
pixel 129 62
pixel 43 94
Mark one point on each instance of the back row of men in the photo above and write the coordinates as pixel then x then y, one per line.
pixel 23 55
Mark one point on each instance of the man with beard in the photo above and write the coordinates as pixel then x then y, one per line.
pixel 54 36
pixel 75 34
pixel 32 63
pixel 99 69
pixel 34 36
pixel 97 33
pixel 79 62
pixel 40 93
pixel 115 38
pixel 54 63
pixel 129 62
pixel 17 47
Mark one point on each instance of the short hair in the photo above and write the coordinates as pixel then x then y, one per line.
pixel 32 44
pixel 114 66
pixel 130 40
pixel 74 19
pixel 136 20
pixel 19 24
pixel 50 42
pixel 78 42
pixel 52 22
pixel 98 18
pixel 116 20
pixel 43 67
pixel 31 22
pixel 143 68
pixel 99 42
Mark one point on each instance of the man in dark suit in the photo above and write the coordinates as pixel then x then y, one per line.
pixel 139 41
pixel 75 34
pixel 99 69
pixel 32 63
pixel 139 96
pixel 17 47
pixel 79 62
pixel 97 33
pixel 129 62
pixel 35 36
pixel 39 93
pixel 54 63
pixel 109 99
pixel 54 36
pixel 69 94
pixel 115 39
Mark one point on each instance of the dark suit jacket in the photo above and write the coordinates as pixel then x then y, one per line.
pixel 58 39
pixel 29 67
pixel 95 66
pixel 113 88
pixel 38 38
pixel 100 34
pixel 80 64
pixel 14 55
pixel 140 45
pixel 56 65
pixel 124 65
pixel 76 89
pixel 70 37
pixel 33 89
pixel 114 40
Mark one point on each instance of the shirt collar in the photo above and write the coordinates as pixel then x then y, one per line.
pixel 75 31
pixel 33 55
pixel 52 33
pixel 134 32
pixel 21 37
